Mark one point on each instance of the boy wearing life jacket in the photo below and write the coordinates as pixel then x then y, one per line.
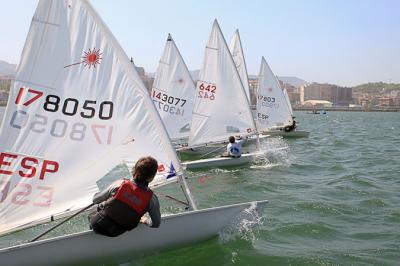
pixel 123 204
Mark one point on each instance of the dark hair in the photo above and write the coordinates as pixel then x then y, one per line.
pixel 232 139
pixel 145 169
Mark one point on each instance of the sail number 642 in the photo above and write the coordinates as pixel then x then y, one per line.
pixel 206 91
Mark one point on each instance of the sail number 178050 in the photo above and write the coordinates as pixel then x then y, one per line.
pixel 69 106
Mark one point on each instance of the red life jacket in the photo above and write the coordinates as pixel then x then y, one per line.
pixel 128 204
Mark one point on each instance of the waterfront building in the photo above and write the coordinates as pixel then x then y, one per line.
pixel 339 96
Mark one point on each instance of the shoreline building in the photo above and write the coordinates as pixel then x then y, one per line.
pixel 338 96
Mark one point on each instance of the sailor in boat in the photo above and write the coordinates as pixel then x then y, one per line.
pixel 123 204
pixel 291 127
pixel 234 147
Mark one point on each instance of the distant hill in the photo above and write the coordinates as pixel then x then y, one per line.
pixel 7 69
pixel 294 81
pixel 376 88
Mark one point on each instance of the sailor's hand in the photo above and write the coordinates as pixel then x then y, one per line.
pixel 144 220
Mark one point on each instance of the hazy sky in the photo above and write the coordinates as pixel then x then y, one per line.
pixel 346 42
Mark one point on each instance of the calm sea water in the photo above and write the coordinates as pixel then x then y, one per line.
pixel 334 199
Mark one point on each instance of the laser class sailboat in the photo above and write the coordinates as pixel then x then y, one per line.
pixel 77 109
pixel 273 109
pixel 221 107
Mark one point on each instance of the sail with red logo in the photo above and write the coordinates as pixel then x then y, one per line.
pixel 76 110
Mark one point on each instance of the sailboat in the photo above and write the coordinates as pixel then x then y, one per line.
pixel 273 108
pixel 173 93
pixel 221 107
pixel 77 109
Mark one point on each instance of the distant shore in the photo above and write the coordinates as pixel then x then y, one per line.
pixel 348 109
pixel 327 109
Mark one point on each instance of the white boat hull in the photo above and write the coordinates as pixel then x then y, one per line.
pixel 284 134
pixel 221 161
pixel 88 247
pixel 217 147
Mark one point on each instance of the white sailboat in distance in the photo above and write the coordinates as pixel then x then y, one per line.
pixel 77 109
pixel 273 110
pixel 221 107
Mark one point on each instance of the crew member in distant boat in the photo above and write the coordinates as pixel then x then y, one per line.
pixel 234 147
pixel 123 204
pixel 290 127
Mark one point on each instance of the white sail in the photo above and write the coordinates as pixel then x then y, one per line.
pixel 173 92
pixel 238 57
pixel 272 108
pixel 76 110
pixel 288 101
pixel 221 108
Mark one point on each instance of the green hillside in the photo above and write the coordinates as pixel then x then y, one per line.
pixel 376 88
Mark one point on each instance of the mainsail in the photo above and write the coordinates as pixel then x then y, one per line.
pixel 173 92
pixel 238 57
pixel 221 108
pixel 272 108
pixel 77 108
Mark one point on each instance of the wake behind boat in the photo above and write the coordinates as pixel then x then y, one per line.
pixel 287 134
